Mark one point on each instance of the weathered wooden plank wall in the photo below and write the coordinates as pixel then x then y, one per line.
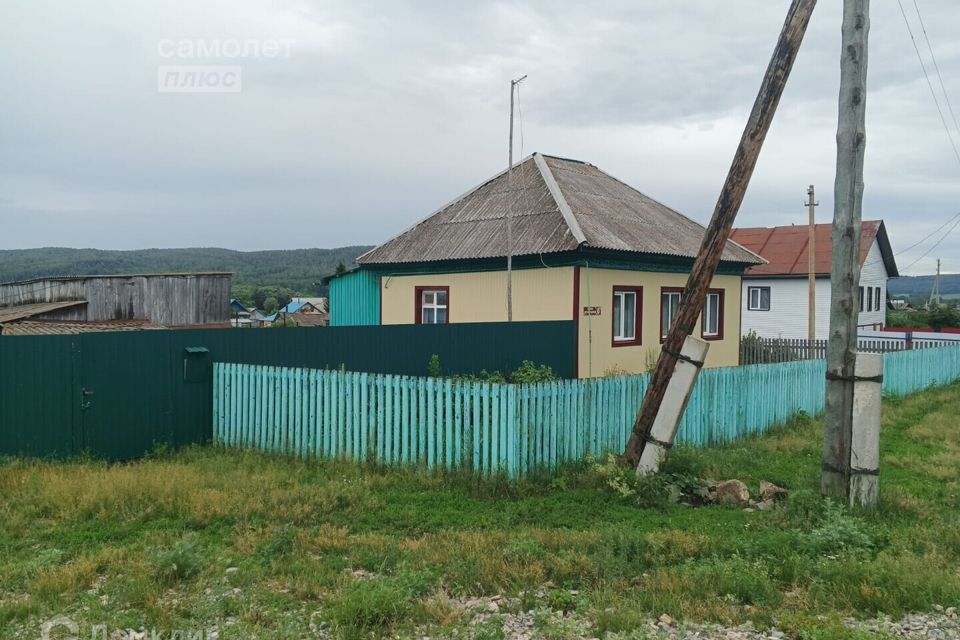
pixel 168 299
pixel 513 429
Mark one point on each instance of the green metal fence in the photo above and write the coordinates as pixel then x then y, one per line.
pixel 118 395
pixel 514 429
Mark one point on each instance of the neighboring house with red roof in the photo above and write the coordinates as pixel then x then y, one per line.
pixel 775 294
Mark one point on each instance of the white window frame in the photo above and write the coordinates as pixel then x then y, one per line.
pixel 619 328
pixel 672 309
pixel 433 304
pixel 716 317
pixel 759 306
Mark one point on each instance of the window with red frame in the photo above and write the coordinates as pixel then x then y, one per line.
pixel 627 315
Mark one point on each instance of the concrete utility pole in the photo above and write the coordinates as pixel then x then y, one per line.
pixel 714 242
pixel 812 270
pixel 513 85
pixel 845 268
pixel 935 293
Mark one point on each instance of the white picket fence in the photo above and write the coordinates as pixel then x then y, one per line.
pixel 898 340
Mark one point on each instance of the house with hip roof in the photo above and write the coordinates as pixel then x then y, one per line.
pixel 585 247
pixel 776 294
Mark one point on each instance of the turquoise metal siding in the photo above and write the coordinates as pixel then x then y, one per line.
pixel 515 429
pixel 355 299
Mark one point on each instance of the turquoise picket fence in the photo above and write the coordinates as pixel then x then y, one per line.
pixel 908 371
pixel 513 429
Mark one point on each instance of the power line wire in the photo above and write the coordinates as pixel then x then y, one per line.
pixel 935 245
pixel 935 231
pixel 943 87
pixel 933 92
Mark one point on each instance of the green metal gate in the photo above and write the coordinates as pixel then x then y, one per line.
pixel 118 395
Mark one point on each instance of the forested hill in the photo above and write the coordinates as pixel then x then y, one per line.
pixel 295 269
pixel 921 285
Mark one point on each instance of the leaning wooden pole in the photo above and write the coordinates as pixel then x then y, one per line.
pixel 715 239
pixel 845 268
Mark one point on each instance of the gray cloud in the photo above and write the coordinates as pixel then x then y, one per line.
pixel 385 110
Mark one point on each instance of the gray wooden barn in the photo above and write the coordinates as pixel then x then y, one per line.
pixel 166 299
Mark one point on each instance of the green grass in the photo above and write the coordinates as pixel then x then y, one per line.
pixel 275 547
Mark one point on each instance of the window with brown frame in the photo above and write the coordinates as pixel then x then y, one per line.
pixel 627 315
pixel 712 319
pixel 432 305
pixel 669 306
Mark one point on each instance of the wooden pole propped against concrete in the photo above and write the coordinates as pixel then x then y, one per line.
pixel 865 441
pixel 664 429
pixel 845 267
pixel 718 232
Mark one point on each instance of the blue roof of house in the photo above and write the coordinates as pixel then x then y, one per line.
pixel 294 307
pixel 236 305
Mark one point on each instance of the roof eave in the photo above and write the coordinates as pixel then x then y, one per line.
pixel 886 251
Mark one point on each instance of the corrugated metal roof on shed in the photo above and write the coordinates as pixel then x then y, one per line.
pixel 21 311
pixel 554 202
pixel 55 327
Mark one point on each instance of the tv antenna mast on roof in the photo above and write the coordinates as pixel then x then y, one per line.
pixel 513 86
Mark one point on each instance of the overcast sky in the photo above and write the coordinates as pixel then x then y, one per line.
pixel 355 119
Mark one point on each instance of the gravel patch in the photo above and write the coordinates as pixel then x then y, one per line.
pixel 537 624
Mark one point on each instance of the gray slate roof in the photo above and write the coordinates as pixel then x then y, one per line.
pixel 558 205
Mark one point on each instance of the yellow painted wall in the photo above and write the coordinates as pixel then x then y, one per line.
pixel 597 355
pixel 538 294
pixel 547 294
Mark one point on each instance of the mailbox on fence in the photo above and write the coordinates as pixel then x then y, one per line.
pixel 196 363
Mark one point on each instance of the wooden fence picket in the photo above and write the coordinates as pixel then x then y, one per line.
pixel 514 429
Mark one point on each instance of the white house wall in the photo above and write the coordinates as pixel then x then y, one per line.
pixel 874 274
pixel 787 317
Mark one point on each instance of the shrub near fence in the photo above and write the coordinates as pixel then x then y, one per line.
pixel 514 429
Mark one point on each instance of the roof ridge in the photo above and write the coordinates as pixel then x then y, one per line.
pixel 877 221
pixel 554 188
